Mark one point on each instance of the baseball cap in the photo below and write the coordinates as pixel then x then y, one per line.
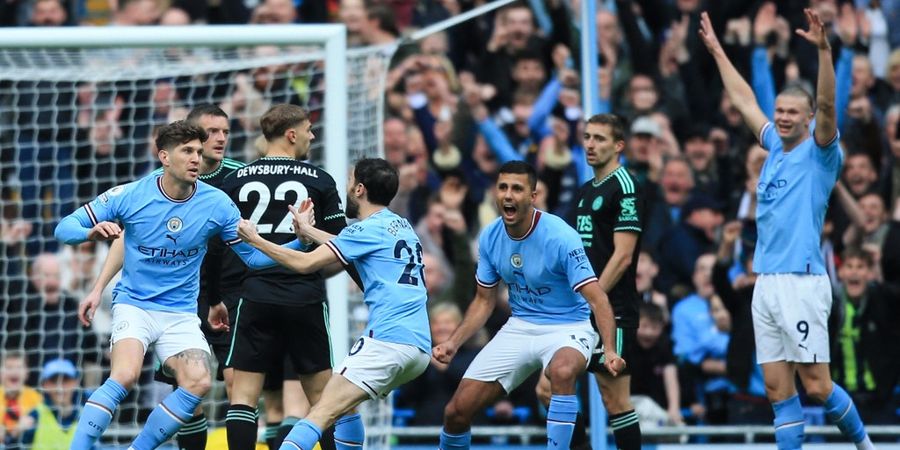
pixel 57 367
pixel 646 125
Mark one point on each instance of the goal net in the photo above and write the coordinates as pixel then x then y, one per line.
pixel 79 117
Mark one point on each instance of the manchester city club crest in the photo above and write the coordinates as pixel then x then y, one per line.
pixel 174 224
pixel 516 260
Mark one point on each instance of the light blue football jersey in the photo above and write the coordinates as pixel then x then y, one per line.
pixel 792 197
pixel 165 239
pixel 387 253
pixel 543 270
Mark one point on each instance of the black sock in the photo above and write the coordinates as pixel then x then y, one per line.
pixel 286 425
pixel 627 430
pixel 240 422
pixel 327 439
pixel 579 436
pixel 192 436
pixel 272 435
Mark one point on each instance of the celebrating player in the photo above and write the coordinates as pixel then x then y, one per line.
pixel 542 261
pixel 168 220
pixel 792 296
pixel 388 255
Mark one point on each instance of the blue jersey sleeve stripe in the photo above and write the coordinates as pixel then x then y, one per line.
pixel 762 132
pixel 233 242
pixel 829 143
pixel 337 252
pixel 584 283
pixel 486 285
pixel 90 213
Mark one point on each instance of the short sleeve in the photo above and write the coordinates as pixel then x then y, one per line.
pixel 228 221
pixel 629 209
pixel 107 206
pixel 355 241
pixel 572 256
pixel 768 137
pixel 486 274
pixel 829 155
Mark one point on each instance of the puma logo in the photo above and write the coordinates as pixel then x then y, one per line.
pixel 169 236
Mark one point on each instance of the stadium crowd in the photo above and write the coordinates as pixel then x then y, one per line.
pixel 501 87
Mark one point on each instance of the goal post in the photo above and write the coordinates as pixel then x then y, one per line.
pixel 331 37
pixel 114 85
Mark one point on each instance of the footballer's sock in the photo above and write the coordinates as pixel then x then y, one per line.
pixel 170 415
pixel 192 436
pixel 561 421
pixel 460 441
pixel 303 436
pixel 626 428
pixel 240 424
pixel 349 433
pixel 579 435
pixel 842 412
pixel 271 435
pixel 789 423
pixel 97 413
pixel 286 425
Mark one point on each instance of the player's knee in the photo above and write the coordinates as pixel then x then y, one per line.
pixel 563 375
pixel 817 389
pixel 125 376
pixel 455 418
pixel 198 386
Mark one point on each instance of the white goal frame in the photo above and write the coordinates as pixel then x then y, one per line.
pixel 331 37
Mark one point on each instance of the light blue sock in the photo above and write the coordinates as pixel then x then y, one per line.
pixel 174 411
pixel 460 441
pixel 789 423
pixel 303 436
pixel 349 433
pixel 561 421
pixel 842 412
pixel 97 413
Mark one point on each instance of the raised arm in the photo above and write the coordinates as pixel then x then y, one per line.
pixel 738 90
pixel 826 117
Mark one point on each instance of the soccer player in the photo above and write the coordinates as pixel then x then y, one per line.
pixel 168 220
pixel 608 217
pixel 396 344
pixel 218 264
pixel 543 263
pixel 792 296
pixel 280 312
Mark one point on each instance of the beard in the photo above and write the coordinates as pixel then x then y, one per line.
pixel 352 208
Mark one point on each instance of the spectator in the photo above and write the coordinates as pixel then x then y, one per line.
pixel 17 400
pixel 49 13
pixel 427 395
pixel 136 12
pixel 748 403
pixel 643 152
pixel 679 249
pixel 53 329
pixel 676 184
pixel 867 314
pixel 55 418
pixel 645 274
pixel 655 391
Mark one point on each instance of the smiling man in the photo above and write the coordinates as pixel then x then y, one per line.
pixel 167 220
pixel 792 296
pixel 542 261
